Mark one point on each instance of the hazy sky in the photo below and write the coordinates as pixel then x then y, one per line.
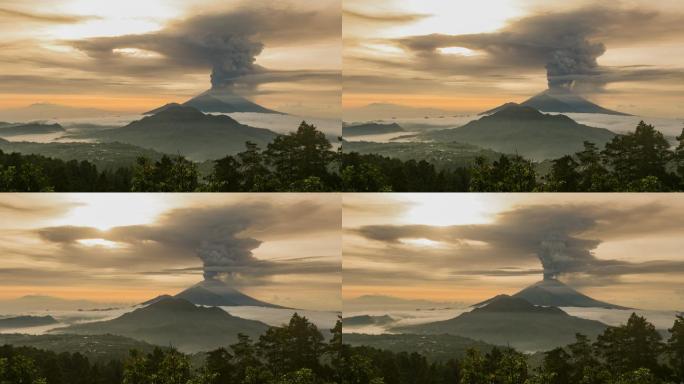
pixel 470 56
pixel 621 248
pixel 280 248
pixel 131 55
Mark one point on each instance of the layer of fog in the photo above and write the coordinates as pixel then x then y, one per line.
pixel 324 320
pixel 75 128
pixel 613 317
pixel 401 318
pixel 619 124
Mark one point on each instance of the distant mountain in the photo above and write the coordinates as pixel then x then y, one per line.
pixel 175 322
pixel 383 111
pixel 370 129
pixel 373 302
pixel 214 292
pixel 48 111
pixel 560 100
pixel 26 321
pixel 103 155
pixel 218 101
pixel 551 292
pixel 29 129
pixel 525 131
pixel 186 130
pixel 364 320
pixel 507 320
pixel 32 303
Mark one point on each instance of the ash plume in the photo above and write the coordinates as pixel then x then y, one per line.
pixel 231 57
pixel 226 256
pixel 574 61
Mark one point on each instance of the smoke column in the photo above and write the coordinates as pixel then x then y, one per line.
pixel 226 254
pixel 575 60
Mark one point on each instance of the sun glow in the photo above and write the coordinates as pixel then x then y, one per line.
pixel 457 51
pixel 422 242
pixel 111 210
pixel 440 210
pixel 99 243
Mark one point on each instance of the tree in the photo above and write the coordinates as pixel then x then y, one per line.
pixel 300 155
pixel 512 368
pixel 593 176
pixel 564 175
pixel 166 175
pixel 473 368
pixel 363 177
pixel 557 366
pixel 639 154
pixel 219 365
pixel 631 346
pixel 226 176
pixel 679 158
pixel 256 177
pixel 675 348
pixel 297 345
pixel 508 174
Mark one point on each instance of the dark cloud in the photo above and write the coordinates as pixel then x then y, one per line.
pixel 567 44
pixel 222 238
pixel 385 17
pixel 563 238
pixel 225 43
pixel 13 15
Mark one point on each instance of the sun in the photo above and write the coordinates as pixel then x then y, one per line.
pixel 106 211
pixel 445 210
pixel 99 243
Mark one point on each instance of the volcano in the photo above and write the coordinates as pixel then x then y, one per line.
pixel 513 321
pixel 560 100
pixel 176 322
pixel 219 101
pixel 551 292
pixel 216 293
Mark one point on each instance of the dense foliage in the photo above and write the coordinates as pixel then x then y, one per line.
pixel 304 161
pixel 633 353
pixel 295 353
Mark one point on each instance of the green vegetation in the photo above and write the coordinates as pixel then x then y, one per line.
pixel 640 161
pixel 295 353
pixel 524 131
pixel 442 155
pixel 433 347
pixel 631 353
pixel 304 161
pixel 105 156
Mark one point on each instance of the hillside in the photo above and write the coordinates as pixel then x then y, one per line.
pixel 103 155
pixel 433 347
pixel 560 100
pixel 525 131
pixel 363 320
pixel 97 348
pixel 370 129
pixel 215 293
pixel 513 321
pixel 218 101
pixel 175 322
pixel 551 292
pixel 186 130
pixel 26 321
pixel 441 154
pixel 9 130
